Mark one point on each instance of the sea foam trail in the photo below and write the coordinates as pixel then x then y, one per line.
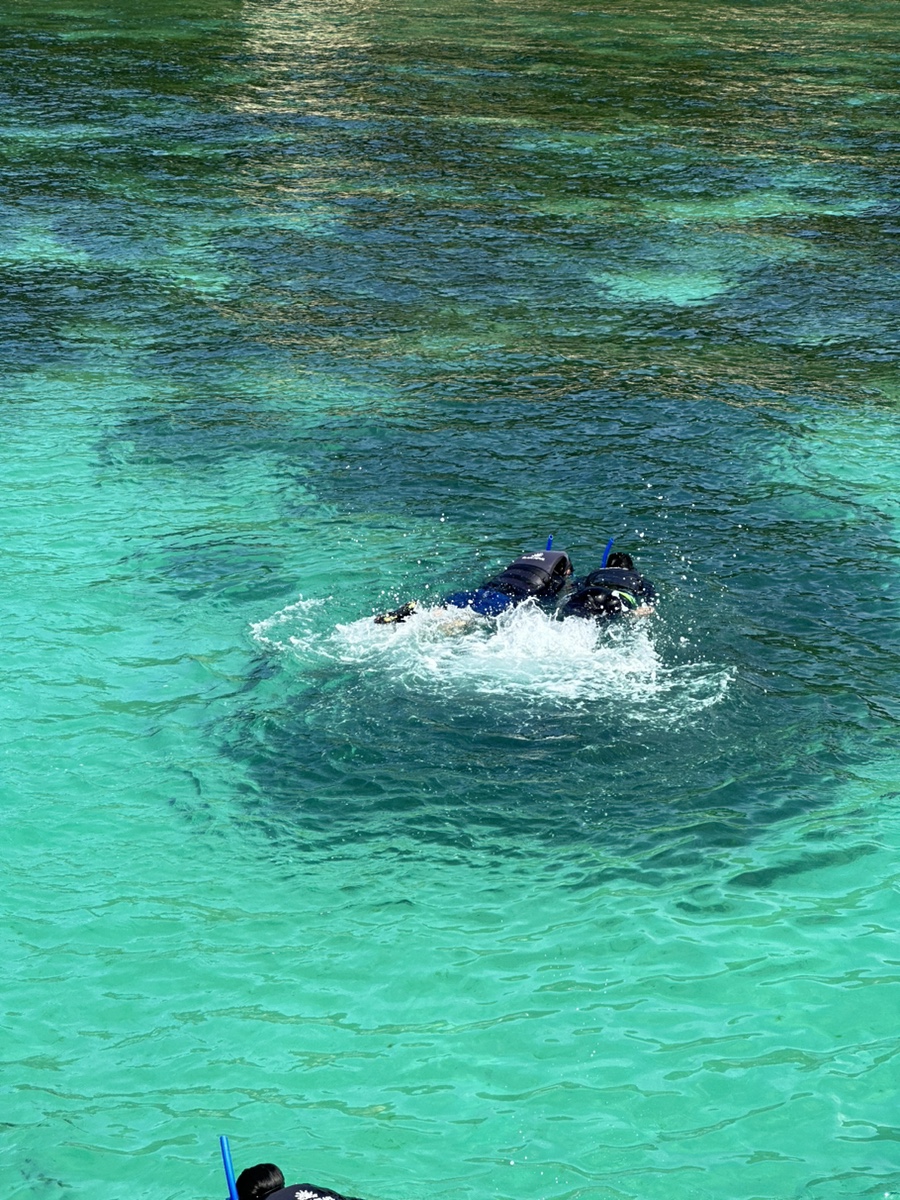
pixel 523 652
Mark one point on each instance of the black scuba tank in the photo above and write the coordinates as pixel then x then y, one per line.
pixel 608 592
pixel 620 579
pixel 541 576
pixel 594 601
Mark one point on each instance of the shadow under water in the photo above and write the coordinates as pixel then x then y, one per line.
pixel 619 745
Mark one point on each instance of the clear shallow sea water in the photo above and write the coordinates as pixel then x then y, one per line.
pixel 311 308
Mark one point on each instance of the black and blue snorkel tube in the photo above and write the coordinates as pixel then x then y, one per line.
pixel 604 559
pixel 229 1168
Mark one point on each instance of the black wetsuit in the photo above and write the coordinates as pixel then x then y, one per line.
pixel 608 592
pixel 306 1191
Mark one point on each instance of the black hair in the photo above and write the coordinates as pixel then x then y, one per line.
pixel 619 559
pixel 255 1183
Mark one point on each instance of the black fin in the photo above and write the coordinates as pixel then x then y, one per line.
pixel 396 614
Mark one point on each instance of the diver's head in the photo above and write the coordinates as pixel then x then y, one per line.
pixel 619 559
pixel 255 1183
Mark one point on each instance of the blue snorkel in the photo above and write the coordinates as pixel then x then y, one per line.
pixel 229 1168
pixel 550 542
pixel 609 546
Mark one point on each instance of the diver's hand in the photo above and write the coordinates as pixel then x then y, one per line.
pixel 644 611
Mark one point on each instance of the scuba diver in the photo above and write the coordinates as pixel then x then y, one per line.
pixel 540 576
pixel 616 589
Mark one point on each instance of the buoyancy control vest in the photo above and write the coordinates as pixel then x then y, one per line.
pixel 621 579
pixel 540 576
pixel 608 592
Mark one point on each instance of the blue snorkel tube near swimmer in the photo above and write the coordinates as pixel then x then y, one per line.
pixel 229 1168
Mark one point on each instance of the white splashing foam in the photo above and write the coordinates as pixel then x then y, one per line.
pixel 523 653
pixel 289 629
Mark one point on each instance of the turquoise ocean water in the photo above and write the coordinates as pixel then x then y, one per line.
pixel 311 307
